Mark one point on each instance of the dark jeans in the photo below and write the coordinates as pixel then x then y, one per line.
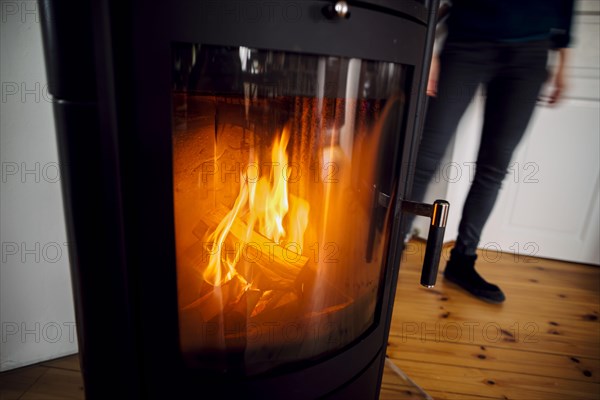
pixel 512 75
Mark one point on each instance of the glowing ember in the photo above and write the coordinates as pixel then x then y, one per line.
pixel 263 205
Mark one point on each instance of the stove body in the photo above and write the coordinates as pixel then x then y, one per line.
pixel 234 176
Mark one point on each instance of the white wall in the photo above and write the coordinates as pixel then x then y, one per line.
pixel 36 308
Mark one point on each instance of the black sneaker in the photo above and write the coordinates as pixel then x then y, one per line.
pixel 460 270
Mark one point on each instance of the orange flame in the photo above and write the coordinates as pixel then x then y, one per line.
pixel 262 203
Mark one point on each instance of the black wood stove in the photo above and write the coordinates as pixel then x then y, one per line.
pixel 234 181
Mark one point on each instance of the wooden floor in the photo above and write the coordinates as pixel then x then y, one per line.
pixel 542 343
pixel 53 380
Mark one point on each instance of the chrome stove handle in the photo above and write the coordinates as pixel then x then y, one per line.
pixel 438 212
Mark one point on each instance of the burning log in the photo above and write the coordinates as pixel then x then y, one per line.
pixel 251 292
pixel 280 264
pixel 213 303
pixel 272 299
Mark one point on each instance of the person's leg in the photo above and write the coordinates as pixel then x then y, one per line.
pixel 511 98
pixel 463 66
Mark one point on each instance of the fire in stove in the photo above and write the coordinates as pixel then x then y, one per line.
pixel 260 211
pixel 279 162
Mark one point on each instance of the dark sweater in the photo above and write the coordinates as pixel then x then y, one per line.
pixel 511 20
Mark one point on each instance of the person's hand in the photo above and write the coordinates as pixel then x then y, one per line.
pixel 558 80
pixel 434 71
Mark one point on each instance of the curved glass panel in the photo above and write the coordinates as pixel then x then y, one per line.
pixel 283 168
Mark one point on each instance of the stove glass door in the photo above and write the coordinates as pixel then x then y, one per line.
pixel 284 167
